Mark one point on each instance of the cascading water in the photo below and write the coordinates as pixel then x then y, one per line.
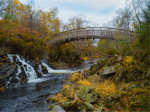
pixel 50 70
pixel 28 69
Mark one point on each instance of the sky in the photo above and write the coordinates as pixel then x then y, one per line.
pixel 95 11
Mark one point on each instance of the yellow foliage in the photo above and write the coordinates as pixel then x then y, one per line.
pixel 66 86
pixel 128 59
pixel 75 77
pixel 85 58
pixel 59 98
pixel 107 88
pixel 85 82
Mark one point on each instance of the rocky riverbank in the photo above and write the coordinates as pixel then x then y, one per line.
pixel 115 84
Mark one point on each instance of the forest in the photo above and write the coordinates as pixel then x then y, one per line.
pixel 120 79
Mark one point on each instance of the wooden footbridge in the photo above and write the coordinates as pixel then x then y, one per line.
pixel 91 33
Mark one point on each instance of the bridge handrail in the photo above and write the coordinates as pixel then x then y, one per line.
pixel 80 29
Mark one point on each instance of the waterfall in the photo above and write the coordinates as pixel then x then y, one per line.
pixel 50 70
pixel 28 69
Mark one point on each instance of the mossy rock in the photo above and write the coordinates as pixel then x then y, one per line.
pixel 83 91
pixel 75 105
pixel 94 78
pixel 96 67
pixel 91 97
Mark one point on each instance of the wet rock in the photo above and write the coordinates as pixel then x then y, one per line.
pixel 11 71
pixel 44 70
pixel 6 71
pixel 35 65
pixel 53 65
pixel 91 97
pixel 57 108
pixel 89 106
pixel 14 80
pixel 23 78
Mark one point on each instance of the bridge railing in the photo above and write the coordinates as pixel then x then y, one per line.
pixel 92 32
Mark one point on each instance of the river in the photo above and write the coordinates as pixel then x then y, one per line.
pixel 33 95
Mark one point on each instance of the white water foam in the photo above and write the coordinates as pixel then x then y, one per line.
pixel 29 70
pixel 50 70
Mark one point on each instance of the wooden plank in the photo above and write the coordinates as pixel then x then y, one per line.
pixel 85 34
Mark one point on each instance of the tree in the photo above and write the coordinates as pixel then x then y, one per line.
pixel 75 22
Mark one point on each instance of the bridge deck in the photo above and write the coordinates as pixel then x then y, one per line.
pixel 91 33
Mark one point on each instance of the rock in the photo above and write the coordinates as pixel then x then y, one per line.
pixel 35 65
pixel 53 65
pixel 83 91
pixel 119 58
pixel 7 71
pixel 44 70
pixel 57 108
pixel 85 73
pixel 73 105
pixel 94 78
pixel 91 97
pixel 89 106
pixel 96 67
pixel 23 78
pixel 108 70
pixel 14 80
pixel 11 71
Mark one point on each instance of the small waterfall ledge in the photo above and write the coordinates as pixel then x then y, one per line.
pixel 20 62
pixel 50 70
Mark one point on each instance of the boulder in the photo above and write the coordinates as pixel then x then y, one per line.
pixel 108 70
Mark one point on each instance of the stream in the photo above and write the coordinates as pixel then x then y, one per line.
pixel 33 95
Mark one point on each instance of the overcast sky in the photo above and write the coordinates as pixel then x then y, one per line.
pixel 96 11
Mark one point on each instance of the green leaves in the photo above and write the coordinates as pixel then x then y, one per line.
pixel 7 40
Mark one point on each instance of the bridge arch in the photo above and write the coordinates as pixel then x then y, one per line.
pixel 91 33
